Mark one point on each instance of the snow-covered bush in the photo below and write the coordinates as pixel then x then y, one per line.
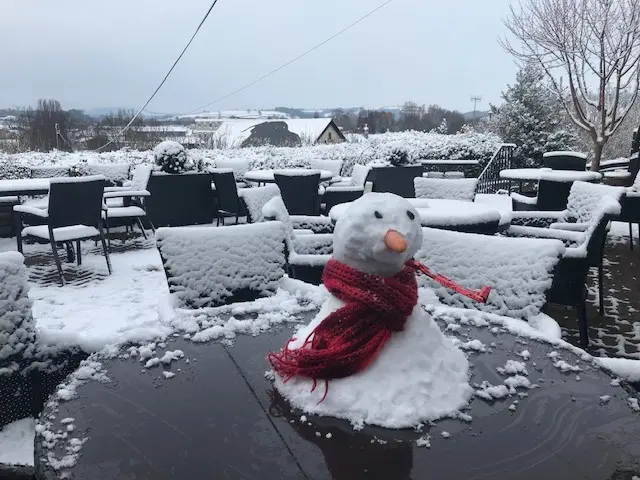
pixel 171 157
pixel 17 328
pixel 398 157
pixel 375 149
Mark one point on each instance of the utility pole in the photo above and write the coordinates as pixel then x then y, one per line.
pixel 475 99
pixel 57 136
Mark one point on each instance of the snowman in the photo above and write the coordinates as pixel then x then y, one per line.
pixel 373 355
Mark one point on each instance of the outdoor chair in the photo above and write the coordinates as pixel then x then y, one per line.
pixel 334 166
pixel 229 203
pixel 631 202
pixel 448 189
pixel 306 252
pixel 565 160
pixel 347 189
pixel 254 199
pixel 75 212
pixel 116 174
pixel 553 193
pixel 397 180
pixel 126 204
pixel 300 191
pixel 583 227
pixel 209 267
pixel 238 166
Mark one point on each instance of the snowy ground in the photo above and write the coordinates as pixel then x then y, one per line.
pixel 95 310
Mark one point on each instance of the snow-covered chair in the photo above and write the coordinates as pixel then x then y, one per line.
pixel 560 160
pixel 255 198
pixel 347 189
pixel 334 166
pixel 519 270
pixel 553 193
pixel 76 212
pixel 209 267
pixel 583 230
pixel 631 202
pixel 448 189
pixel 115 173
pixel 307 253
pixel 239 166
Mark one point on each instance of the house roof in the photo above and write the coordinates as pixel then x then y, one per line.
pixel 234 132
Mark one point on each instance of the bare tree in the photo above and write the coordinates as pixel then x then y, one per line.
pixel 595 44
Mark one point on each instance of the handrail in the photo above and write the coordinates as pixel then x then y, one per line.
pixel 489 179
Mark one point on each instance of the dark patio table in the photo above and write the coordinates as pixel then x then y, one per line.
pixel 220 418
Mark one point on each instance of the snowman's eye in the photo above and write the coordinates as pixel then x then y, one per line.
pixel 377 214
pixel 410 215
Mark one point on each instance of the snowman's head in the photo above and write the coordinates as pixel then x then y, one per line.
pixel 377 234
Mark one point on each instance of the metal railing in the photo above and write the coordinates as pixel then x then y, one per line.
pixel 489 180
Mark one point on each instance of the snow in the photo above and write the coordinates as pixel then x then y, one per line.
pixel 439 213
pixel 256 198
pixel 624 368
pixel 420 374
pixel 25 185
pixel 17 328
pixel 17 441
pixel 535 174
pixel 208 264
pixel 560 153
pixel 452 189
pixel 518 270
pixel 419 145
pixel 262 176
pixel 89 178
pixel 61 234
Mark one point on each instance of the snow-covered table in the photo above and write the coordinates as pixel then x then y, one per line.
pixel 267 176
pixel 456 215
pixel 533 174
pixel 24 187
pixel 219 417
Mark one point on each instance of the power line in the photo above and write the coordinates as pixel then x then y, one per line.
pixel 163 80
pixel 292 60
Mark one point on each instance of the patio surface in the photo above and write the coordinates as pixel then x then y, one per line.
pixel 95 309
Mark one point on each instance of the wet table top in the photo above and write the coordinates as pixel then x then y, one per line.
pixel 220 418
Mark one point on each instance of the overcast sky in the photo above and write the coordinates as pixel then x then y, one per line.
pixel 90 54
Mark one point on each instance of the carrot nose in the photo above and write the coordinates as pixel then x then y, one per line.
pixel 395 242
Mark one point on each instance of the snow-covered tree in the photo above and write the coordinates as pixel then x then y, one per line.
pixel 532 118
pixel 443 128
pixel 589 51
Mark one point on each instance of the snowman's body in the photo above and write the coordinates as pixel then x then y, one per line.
pixel 419 375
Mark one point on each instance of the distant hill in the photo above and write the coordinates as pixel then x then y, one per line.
pixel 479 115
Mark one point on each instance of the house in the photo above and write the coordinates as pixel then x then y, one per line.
pixel 310 131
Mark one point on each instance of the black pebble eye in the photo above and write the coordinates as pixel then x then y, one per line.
pixel 377 214
pixel 410 215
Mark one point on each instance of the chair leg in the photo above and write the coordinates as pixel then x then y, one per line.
pixel 17 219
pixel 153 228
pixel 104 248
pixel 631 235
pixel 56 257
pixel 582 324
pixel 144 234
pixel 601 287
pixel 78 253
pixel 71 257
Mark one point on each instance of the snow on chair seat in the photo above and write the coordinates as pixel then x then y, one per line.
pixel 519 271
pixel 446 189
pixel 213 266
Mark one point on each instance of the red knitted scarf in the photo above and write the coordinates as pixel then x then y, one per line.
pixel 349 339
